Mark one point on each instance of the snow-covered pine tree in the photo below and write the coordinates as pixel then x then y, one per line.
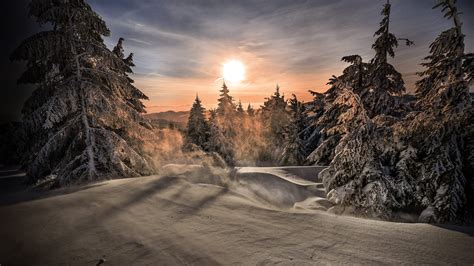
pixel 294 152
pixel 314 110
pixel 357 176
pixel 275 114
pixel 383 93
pixel 197 130
pixel 328 125
pixel 79 117
pixel 226 112
pixel 250 111
pixel 275 118
pixel 377 83
pixel 226 106
pixel 226 121
pixel 441 131
pixel 240 110
pixel 217 141
pixel 419 163
pixel 135 96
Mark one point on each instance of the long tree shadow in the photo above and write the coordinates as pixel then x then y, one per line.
pixel 153 188
pixel 202 204
pixel 14 189
pixel 467 230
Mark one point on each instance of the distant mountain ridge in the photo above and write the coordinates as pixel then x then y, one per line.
pixel 169 119
pixel 172 116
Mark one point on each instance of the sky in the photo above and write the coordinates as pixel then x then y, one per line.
pixel 180 46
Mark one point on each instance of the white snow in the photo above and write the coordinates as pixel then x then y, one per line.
pixel 193 215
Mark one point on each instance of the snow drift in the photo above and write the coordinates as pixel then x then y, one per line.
pixel 194 215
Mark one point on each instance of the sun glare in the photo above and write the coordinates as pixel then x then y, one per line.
pixel 233 71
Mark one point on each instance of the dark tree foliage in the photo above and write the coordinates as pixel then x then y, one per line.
pixel 378 85
pixel 250 111
pixel 240 110
pixel 442 132
pixel 197 130
pixel 226 105
pixel 381 96
pixel 421 163
pixel 218 142
pixel 275 118
pixel 294 152
pixel 275 115
pixel 84 119
pixel 330 127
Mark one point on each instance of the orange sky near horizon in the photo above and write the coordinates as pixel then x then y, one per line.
pixel 260 83
pixel 248 92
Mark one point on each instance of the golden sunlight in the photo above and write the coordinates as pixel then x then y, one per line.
pixel 233 71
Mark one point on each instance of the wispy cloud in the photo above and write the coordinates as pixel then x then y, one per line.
pixel 180 45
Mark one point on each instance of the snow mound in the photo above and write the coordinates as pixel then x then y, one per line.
pixel 289 188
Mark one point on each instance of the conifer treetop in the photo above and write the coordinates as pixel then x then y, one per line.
pixel 386 41
pixel 447 66
pixel 225 102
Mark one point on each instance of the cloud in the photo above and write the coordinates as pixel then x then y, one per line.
pixel 179 45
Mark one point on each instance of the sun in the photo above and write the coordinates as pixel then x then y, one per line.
pixel 233 71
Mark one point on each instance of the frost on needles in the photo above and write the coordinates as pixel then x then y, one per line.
pixel 84 118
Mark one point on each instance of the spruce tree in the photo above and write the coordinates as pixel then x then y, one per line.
pixel 250 111
pixel 84 116
pixel 225 106
pixel 441 131
pixel 240 110
pixel 419 163
pixel 275 119
pixel 377 83
pixel 294 152
pixel 329 126
pixel 134 97
pixel 357 176
pixel 383 93
pixel 217 141
pixel 361 172
pixel 197 130
pixel 226 113
pixel 275 116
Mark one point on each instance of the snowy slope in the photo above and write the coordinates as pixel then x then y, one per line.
pixel 193 215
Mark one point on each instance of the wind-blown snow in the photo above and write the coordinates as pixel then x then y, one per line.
pixel 199 216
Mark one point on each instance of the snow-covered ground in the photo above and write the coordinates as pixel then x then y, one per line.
pixel 193 215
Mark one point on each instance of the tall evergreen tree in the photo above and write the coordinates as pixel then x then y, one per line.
pixel 329 126
pixel 419 163
pixel 250 111
pixel 134 97
pixel 440 132
pixel 382 95
pixel 377 83
pixel 294 152
pixel 226 113
pixel 218 142
pixel 226 106
pixel 357 176
pixel 275 118
pixel 80 116
pixel 240 110
pixel 197 131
